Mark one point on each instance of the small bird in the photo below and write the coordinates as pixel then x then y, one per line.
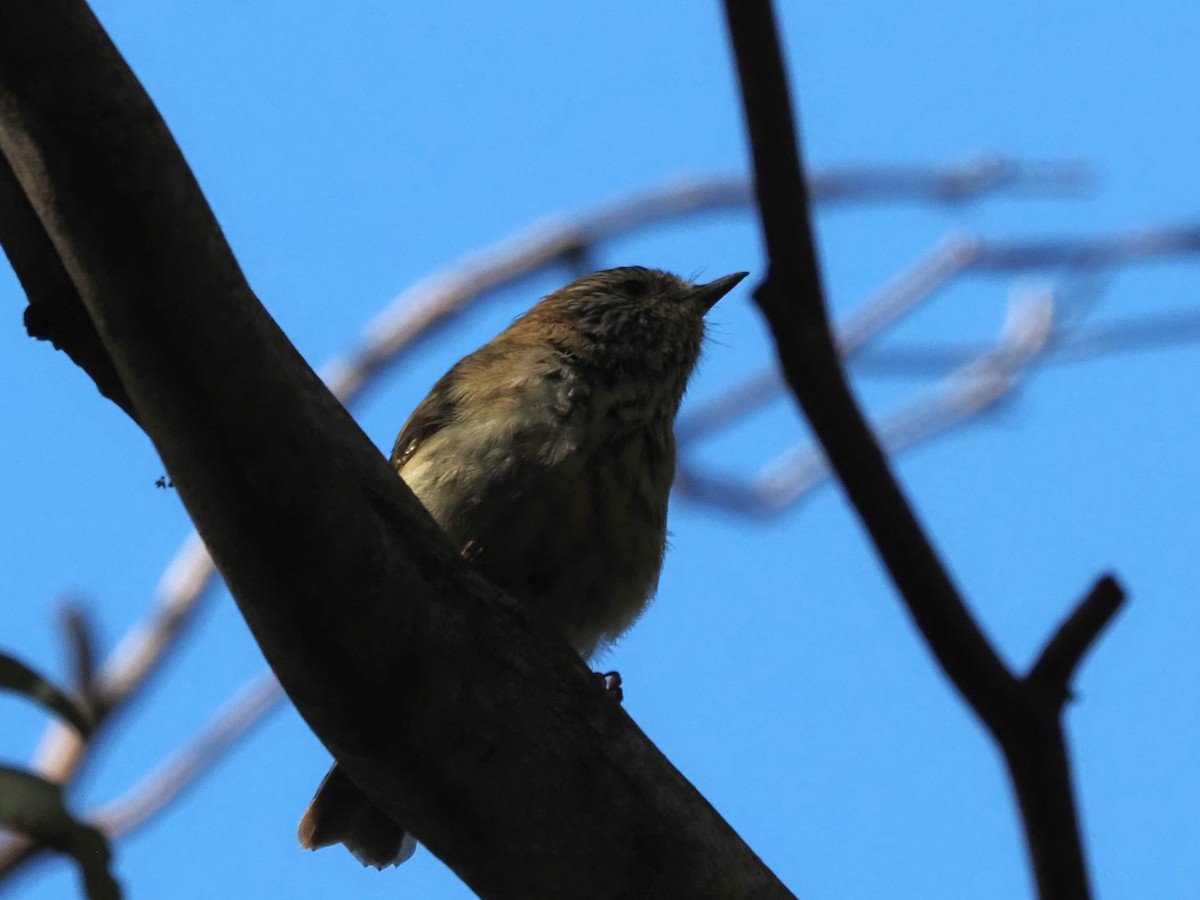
pixel 547 455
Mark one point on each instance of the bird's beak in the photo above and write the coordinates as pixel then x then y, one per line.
pixel 706 295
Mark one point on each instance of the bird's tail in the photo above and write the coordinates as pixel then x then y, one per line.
pixel 341 813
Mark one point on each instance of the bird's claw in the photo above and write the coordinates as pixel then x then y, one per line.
pixel 612 685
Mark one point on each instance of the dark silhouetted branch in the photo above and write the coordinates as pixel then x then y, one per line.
pixel 1058 661
pixel 1023 719
pixel 792 301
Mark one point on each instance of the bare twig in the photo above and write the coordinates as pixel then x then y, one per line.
pixel 154 792
pixel 963 182
pixel 435 302
pixel 1128 335
pixel 975 387
pixel 18 677
pixel 1056 665
pixel 139 653
pixel 962 255
pixel 1095 253
pixel 899 297
pixel 81 654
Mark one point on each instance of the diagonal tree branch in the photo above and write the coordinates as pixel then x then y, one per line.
pixel 455 713
pixel 1025 720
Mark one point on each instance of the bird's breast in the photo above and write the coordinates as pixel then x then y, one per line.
pixel 567 515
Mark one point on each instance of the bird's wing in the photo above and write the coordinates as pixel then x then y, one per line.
pixel 435 412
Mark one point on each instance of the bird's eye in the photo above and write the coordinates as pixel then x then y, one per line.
pixel 633 288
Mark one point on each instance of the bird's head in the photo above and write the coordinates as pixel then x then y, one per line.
pixel 633 321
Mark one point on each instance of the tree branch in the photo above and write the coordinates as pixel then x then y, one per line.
pixel 436 301
pixel 478 728
pixel 792 301
pixel 975 387
pixel 1060 658
pixel 1024 721
pixel 178 773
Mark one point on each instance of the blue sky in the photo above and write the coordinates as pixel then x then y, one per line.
pixel 354 148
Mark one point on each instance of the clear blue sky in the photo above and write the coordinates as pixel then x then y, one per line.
pixel 349 149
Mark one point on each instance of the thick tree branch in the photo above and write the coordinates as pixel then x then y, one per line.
pixel 478 728
pixel 1024 719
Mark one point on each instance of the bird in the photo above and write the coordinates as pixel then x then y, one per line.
pixel 547 456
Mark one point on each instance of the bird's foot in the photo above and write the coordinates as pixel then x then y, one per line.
pixel 612 684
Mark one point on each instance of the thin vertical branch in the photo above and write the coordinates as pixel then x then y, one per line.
pixel 792 301
pixel 1024 716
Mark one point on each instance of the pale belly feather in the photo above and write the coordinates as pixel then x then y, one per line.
pixel 583 549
